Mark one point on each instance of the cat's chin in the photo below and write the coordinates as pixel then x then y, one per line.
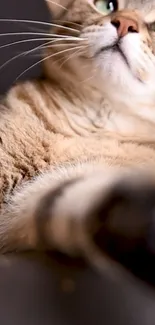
pixel 116 50
pixel 115 64
pixel 116 71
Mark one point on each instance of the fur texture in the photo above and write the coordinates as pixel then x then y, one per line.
pixel 77 148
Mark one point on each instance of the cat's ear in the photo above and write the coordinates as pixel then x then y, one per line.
pixel 57 7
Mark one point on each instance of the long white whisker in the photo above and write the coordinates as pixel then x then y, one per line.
pixel 41 34
pixel 31 33
pixel 56 4
pixel 46 58
pixel 37 22
pixel 24 41
pixel 36 48
pixel 66 21
pixel 50 46
pixel 10 60
pixel 22 54
pixel 57 45
pixel 34 39
pixel 30 51
pixel 62 44
pixel 47 45
pixel 33 28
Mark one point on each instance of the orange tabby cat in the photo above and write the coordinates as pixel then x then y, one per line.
pixel 76 146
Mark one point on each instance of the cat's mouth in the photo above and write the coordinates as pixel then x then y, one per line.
pixel 114 48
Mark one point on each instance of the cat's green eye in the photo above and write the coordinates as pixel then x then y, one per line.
pixel 106 6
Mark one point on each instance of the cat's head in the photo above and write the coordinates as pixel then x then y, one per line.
pixel 114 43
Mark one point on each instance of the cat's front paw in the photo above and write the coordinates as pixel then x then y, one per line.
pixel 111 213
pixel 122 225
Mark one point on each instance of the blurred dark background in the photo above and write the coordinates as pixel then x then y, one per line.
pixel 37 290
pixel 20 9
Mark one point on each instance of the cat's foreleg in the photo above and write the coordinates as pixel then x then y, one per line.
pixel 79 210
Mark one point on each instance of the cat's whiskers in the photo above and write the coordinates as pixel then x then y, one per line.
pixel 20 55
pixel 42 36
pixel 56 4
pixel 24 41
pixel 50 35
pixel 32 50
pixel 66 21
pixel 46 58
pixel 59 45
pixel 48 45
pixel 35 29
pixel 36 39
pixel 37 22
pixel 71 57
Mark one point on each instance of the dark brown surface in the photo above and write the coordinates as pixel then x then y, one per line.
pixel 36 290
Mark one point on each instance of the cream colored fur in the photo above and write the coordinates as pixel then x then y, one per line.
pixel 76 134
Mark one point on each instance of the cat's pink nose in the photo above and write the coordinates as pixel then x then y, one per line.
pixel 125 25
